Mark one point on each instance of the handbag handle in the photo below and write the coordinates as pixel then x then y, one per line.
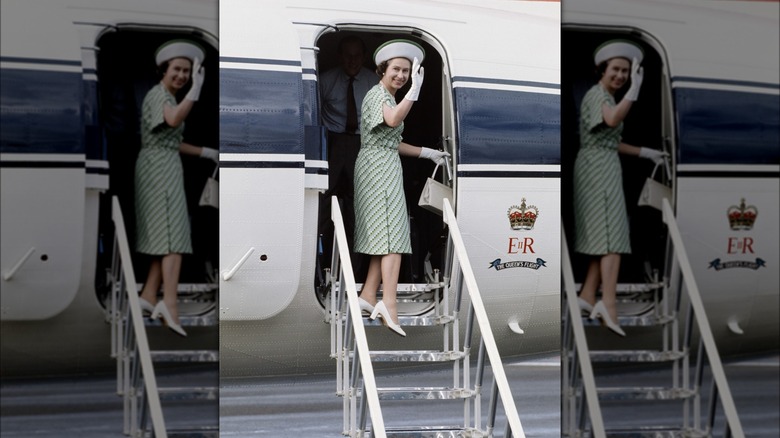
pixel 446 167
pixel 216 168
pixel 666 167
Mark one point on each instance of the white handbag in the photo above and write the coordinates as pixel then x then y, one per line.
pixel 434 192
pixel 653 191
pixel 210 195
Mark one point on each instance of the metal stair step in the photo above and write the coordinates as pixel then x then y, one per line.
pixel 431 432
pixel 208 320
pixel 200 432
pixel 404 289
pixel 188 393
pixel 644 393
pixel 185 355
pixel 414 321
pixel 633 321
pixel 184 289
pixel 652 432
pixel 414 356
pixel 631 288
pixel 634 355
pixel 424 393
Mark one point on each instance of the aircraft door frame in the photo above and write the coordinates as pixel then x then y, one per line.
pixel 313 37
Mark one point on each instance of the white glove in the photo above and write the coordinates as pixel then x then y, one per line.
pixel 417 79
pixel 197 81
pixel 654 155
pixel 637 73
pixel 210 153
pixel 435 156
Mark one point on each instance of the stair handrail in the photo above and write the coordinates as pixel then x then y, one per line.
pixel 361 341
pixel 580 342
pixel 513 419
pixel 694 296
pixel 150 381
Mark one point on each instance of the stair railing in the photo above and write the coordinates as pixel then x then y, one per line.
pixel 501 388
pixel 679 282
pixel 720 384
pixel 349 331
pixel 576 348
pixel 129 342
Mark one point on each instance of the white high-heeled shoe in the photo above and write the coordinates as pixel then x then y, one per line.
pixel 365 306
pixel 381 309
pixel 146 307
pixel 584 305
pixel 162 309
pixel 600 310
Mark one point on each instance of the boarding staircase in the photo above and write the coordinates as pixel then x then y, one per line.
pixel 143 387
pixel 592 408
pixel 356 380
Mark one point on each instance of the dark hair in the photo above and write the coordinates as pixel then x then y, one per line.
pixel 382 67
pixel 351 39
pixel 162 68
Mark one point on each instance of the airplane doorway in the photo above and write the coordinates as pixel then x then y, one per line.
pixel 643 126
pixel 424 126
pixel 126 71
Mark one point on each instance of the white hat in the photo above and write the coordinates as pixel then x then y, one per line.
pixel 179 49
pixel 617 48
pixel 399 49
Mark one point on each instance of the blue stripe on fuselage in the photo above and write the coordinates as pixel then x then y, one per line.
pixel 727 127
pixel 508 127
pixel 260 112
pixel 41 111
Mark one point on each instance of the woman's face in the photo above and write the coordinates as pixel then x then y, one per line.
pixel 616 74
pixel 178 74
pixel 397 74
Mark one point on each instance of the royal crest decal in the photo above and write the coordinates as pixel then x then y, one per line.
pixel 717 264
pixel 742 217
pixel 517 264
pixel 522 217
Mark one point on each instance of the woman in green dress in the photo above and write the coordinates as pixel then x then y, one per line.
pixel 599 205
pixel 381 219
pixel 162 222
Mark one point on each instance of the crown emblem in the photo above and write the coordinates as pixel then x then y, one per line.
pixel 522 217
pixel 742 217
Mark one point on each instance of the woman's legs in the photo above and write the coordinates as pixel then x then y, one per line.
pixel 592 281
pixel 385 268
pixel 391 267
pixel 153 279
pixel 171 266
pixel 610 266
pixel 373 277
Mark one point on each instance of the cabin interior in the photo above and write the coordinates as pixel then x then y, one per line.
pixel 642 127
pixel 126 70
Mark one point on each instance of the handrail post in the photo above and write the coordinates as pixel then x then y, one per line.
pixel 694 296
pixel 481 316
pixel 581 345
pixel 359 331
pixel 153 397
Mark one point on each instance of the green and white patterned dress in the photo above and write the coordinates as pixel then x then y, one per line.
pixel 381 220
pixel 599 205
pixel 162 224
